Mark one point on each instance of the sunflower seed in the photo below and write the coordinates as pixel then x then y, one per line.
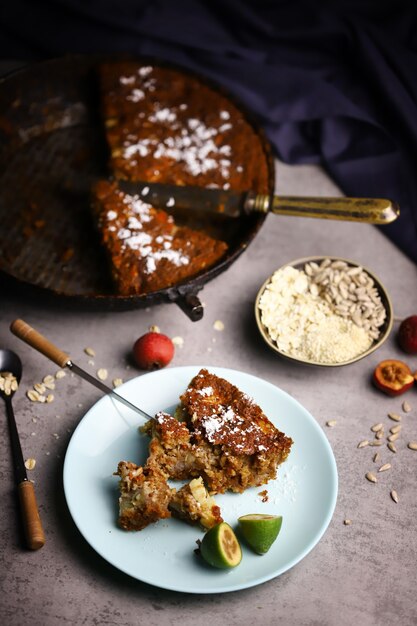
pixel 391 446
pixel 395 417
pixel 331 423
pixel 376 457
pixel 394 496
pixel 393 437
pixel 406 407
pixel 90 351
pixel 377 427
pixel 395 429
pixel 363 443
pixel 412 445
pixel 385 467
pixel 379 434
pixel 347 522
pixel 371 477
pixel 376 442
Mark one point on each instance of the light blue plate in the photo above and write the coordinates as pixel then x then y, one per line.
pixel 163 554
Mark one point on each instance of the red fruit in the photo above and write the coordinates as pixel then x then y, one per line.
pixel 153 351
pixel 393 377
pixel 407 334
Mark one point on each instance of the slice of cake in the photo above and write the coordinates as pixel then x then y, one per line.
pixel 225 438
pixel 147 251
pixel 193 504
pixel 166 125
pixel 144 495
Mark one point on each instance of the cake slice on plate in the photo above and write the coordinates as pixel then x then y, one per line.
pixel 224 437
pixel 144 496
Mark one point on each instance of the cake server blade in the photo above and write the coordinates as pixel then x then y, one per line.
pixel 235 203
pixel 34 339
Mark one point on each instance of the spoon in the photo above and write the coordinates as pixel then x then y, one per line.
pixel 11 373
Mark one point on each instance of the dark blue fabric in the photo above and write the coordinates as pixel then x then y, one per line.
pixel 331 82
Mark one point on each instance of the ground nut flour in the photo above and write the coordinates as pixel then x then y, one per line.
pixel 304 324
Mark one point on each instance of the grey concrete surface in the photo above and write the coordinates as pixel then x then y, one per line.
pixel 363 574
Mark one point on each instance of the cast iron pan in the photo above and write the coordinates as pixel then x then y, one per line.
pixel 52 148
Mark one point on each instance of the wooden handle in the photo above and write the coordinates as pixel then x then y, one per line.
pixel 32 524
pixel 39 342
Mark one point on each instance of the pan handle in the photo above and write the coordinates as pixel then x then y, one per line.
pixel 191 305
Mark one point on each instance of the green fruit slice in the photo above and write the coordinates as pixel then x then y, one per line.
pixel 260 531
pixel 220 547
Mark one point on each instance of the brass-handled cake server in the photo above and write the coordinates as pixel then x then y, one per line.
pixel 34 339
pixel 236 203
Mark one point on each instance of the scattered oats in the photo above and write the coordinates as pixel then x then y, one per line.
pixel 80 406
pixel 90 351
pixel 347 522
pixel 394 496
pixel 376 457
pixel 39 388
pixel 60 374
pixel 50 385
pixel 391 446
pixel 379 434
pixel 393 437
pixel 50 397
pixel 384 467
pixel 91 362
pixel 47 453
pixel 218 325
pixel 331 423
pixel 34 420
pixel 395 429
pixel 30 464
pixel 154 329
pixel 376 427
pixel 102 373
pixel 33 434
pixel 406 407
pixel 178 341
pixel 55 435
pixel 371 477
pixel 32 395
pixel 117 382
pixel 412 445
pixel 58 417
pixel 363 443
pixel 395 417
pixel 376 442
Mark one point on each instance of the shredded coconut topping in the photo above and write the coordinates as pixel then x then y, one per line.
pixel 193 142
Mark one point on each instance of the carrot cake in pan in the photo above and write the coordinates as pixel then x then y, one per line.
pixel 146 249
pixel 165 125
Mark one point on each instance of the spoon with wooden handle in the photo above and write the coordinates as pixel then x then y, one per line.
pixel 10 375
